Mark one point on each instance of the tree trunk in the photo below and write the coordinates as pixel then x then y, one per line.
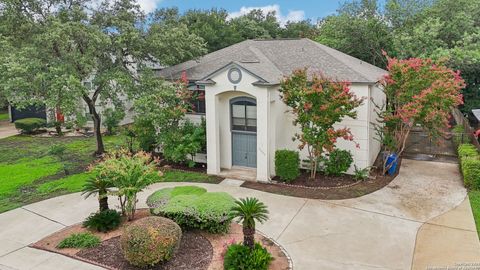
pixel 96 127
pixel 103 203
pixel 249 237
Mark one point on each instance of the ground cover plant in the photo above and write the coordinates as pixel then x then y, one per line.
pixel 80 240
pixel 103 221
pixel 193 207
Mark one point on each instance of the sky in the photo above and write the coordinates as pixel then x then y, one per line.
pixel 293 10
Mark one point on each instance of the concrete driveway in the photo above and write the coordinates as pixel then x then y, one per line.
pixel 420 219
pixel 7 129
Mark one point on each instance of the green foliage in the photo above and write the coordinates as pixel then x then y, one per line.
pixel 80 120
pixel 337 162
pixel 470 165
pixel 193 208
pixel 181 145
pixel 318 103
pixel 145 133
pixel 129 174
pixel 49 51
pixel 287 165
pixel 248 211
pixel 112 118
pixel 471 172
pixel 80 240
pixel 4 116
pixel 103 221
pixel 344 31
pixel 97 185
pixel 459 135
pixel 361 174
pixel 149 241
pixel 467 150
pixel 240 257
pixel 29 125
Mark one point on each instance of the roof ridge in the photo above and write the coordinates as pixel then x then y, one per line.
pixel 260 54
pixel 322 47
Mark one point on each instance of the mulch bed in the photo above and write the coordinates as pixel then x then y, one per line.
pixel 198 167
pixel 327 187
pixel 195 253
pixel 198 250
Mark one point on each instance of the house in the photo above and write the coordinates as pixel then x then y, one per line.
pixel 246 119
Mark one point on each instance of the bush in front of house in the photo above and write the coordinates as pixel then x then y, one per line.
pixel 467 150
pixel 29 125
pixel 337 162
pixel 287 165
pixel 193 207
pixel 103 221
pixel 150 240
pixel 471 172
pixel 80 240
pixel 239 257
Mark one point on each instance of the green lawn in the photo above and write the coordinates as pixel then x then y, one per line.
pixel 474 197
pixel 28 174
pixel 4 116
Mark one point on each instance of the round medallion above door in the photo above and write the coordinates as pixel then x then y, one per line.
pixel 234 75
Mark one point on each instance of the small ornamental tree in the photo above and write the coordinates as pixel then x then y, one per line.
pixel 318 103
pixel 418 91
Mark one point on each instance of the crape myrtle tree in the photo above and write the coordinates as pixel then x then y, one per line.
pixel 418 92
pixel 50 47
pixel 318 103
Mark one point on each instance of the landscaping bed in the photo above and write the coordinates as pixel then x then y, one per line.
pixel 326 187
pixel 198 249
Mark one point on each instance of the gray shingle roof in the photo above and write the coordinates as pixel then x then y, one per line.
pixel 271 60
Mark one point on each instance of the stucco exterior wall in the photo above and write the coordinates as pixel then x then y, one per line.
pixel 377 98
pixel 285 130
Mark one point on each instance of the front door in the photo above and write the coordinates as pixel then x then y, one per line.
pixel 244 132
pixel 244 149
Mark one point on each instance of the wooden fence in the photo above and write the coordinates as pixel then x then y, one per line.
pixel 460 119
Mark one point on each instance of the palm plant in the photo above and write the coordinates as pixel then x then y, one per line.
pixel 248 211
pixel 100 186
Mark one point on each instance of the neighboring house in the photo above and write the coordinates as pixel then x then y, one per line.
pixel 246 119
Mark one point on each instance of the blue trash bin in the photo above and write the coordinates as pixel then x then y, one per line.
pixel 393 167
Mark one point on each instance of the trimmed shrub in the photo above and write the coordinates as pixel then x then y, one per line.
pixel 287 165
pixel 471 172
pixel 29 125
pixel 467 150
pixel 240 257
pixel 337 162
pixel 103 221
pixel 80 240
pixel 193 207
pixel 150 240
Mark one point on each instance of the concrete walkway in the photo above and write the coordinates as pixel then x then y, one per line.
pixel 376 231
pixel 7 129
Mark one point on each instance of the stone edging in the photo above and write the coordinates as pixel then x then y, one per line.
pixel 290 261
pixel 316 188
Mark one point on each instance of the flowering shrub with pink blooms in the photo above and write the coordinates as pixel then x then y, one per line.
pixel 318 103
pixel 418 91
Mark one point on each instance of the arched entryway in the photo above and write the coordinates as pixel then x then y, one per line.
pixel 243 124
